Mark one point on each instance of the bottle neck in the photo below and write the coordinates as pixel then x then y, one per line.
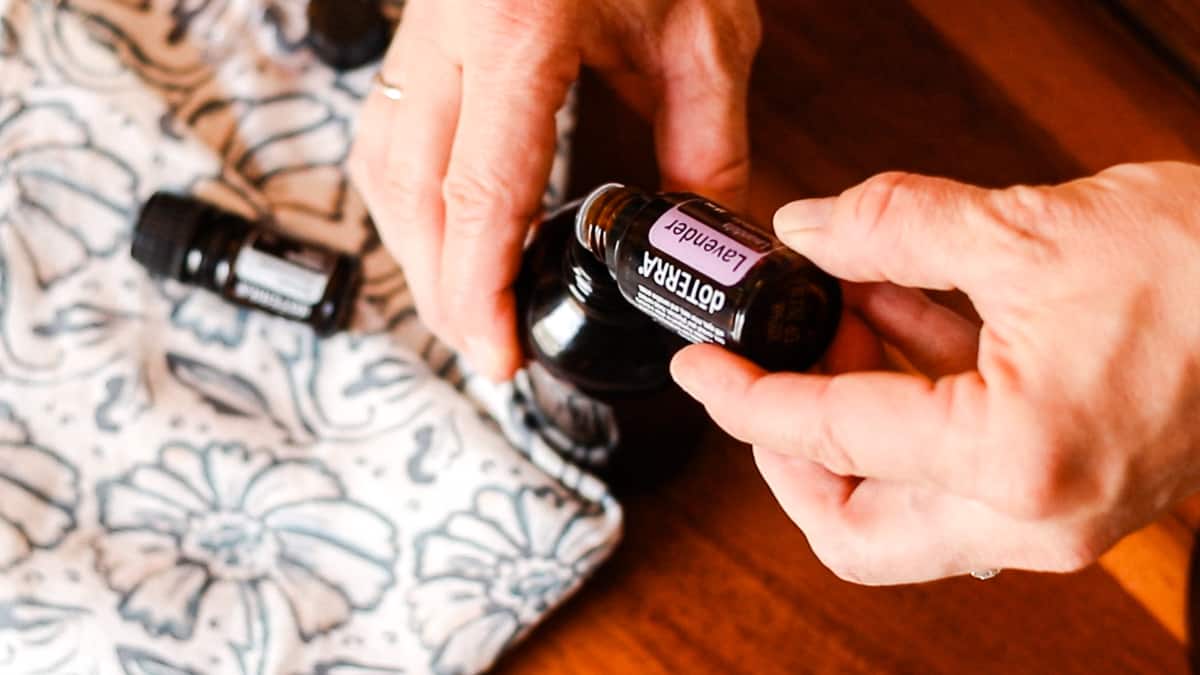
pixel 599 218
pixel 590 283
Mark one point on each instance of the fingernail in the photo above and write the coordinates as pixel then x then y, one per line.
pixel 804 216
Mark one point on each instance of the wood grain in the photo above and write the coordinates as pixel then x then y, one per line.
pixel 1170 25
pixel 712 577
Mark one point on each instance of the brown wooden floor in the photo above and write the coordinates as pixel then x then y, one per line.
pixel 712 577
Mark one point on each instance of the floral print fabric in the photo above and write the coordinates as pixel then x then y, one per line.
pixel 189 487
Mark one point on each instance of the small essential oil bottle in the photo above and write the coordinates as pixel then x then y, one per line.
pixel 348 34
pixel 196 243
pixel 598 368
pixel 708 276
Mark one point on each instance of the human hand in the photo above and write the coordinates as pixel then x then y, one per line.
pixel 1036 442
pixel 454 173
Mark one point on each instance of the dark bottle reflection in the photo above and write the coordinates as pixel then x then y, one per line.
pixel 598 367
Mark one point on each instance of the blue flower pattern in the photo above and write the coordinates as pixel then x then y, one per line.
pixel 489 573
pixel 39 492
pixel 187 487
pixel 199 519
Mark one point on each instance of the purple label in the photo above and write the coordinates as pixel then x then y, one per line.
pixel 712 253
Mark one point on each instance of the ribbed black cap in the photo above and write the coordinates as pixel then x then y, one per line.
pixel 347 34
pixel 164 231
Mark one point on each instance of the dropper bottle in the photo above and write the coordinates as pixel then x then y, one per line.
pixel 709 277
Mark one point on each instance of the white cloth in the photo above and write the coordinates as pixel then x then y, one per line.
pixel 189 487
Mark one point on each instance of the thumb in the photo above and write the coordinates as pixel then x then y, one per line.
pixel 906 229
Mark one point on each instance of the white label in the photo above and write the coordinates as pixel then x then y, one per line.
pixel 271 300
pixel 677 319
pixel 285 278
pixel 690 288
pixel 715 254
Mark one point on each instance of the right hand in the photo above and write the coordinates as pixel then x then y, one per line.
pixel 1035 441
pixel 454 173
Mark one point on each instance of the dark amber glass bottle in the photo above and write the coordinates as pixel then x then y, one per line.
pixel 599 366
pixel 348 34
pixel 196 243
pixel 708 276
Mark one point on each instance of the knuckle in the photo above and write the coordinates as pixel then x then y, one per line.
pixel 719 64
pixel 1032 203
pixel 831 452
pixel 826 445
pixel 401 193
pixel 511 15
pixel 1148 174
pixel 412 205
pixel 473 203
pixel 532 29
pixel 874 200
pixel 1020 220
pixel 382 182
pixel 719 47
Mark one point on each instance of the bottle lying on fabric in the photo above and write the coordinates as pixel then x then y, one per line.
pixel 196 243
pixel 708 276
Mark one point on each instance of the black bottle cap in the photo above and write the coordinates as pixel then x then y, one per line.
pixel 348 34
pixel 164 232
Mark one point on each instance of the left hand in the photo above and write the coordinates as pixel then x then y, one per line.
pixel 454 173
pixel 1035 441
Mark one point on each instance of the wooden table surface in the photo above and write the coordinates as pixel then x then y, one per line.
pixel 712 577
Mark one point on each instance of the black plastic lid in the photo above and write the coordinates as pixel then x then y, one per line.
pixel 164 232
pixel 348 34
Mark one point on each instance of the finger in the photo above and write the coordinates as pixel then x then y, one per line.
pixel 894 533
pixel 855 348
pixel 910 230
pixel 874 425
pixel 852 533
pixel 808 493
pixel 502 156
pixel 879 533
pixel 401 155
pixel 701 135
pixel 932 337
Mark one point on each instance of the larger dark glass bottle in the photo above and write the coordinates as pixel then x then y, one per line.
pixel 348 34
pixel 598 368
